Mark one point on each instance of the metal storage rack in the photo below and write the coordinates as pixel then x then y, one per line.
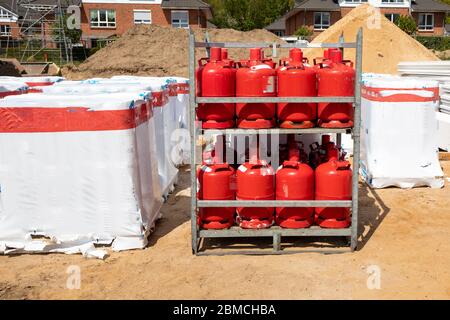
pixel 275 232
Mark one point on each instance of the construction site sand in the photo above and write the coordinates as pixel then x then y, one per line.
pixel 405 233
pixel 384 44
pixel 159 51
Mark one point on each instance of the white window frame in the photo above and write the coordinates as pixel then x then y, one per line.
pixel 356 1
pixel 392 1
pixel 391 17
pixel 96 25
pixel 5 14
pixel 321 26
pixel 179 24
pixel 5 33
pixel 426 27
pixel 142 21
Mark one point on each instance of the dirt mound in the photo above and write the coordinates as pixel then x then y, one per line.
pixel 384 44
pixel 158 51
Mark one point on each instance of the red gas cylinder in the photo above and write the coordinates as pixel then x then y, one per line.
pixel 294 181
pixel 198 76
pixel 336 78
pixel 216 182
pixel 296 80
pixel 255 79
pixel 325 59
pixel 324 147
pixel 333 182
pixel 225 58
pixel 268 61
pixel 217 80
pixel 255 181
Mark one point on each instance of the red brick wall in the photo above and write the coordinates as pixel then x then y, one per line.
pixel 439 25
pixel 307 18
pixel 15 34
pixel 125 18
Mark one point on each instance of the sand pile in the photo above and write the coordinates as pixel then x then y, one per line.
pixel 158 51
pixel 384 44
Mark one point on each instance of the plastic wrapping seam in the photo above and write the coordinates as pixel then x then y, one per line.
pixel 44 119
pixel 10 93
pixel 183 88
pixel 160 98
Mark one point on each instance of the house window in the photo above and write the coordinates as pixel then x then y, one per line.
pixel 5 30
pixel 180 19
pixel 392 1
pixel 426 22
pixel 142 16
pixel 392 16
pixel 355 1
pixel 279 33
pixel 103 18
pixel 5 14
pixel 321 20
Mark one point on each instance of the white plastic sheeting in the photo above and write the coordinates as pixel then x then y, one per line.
pixel 164 116
pixel 399 144
pixel 445 98
pixel 34 81
pixel 444 130
pixel 431 70
pixel 77 170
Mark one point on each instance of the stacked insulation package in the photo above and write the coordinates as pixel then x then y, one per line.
pixel 399 132
pixel 85 162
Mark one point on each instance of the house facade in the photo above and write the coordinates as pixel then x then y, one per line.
pixel 102 19
pixel 319 15
pixel 9 26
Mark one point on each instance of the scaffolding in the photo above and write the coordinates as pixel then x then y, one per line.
pixel 42 34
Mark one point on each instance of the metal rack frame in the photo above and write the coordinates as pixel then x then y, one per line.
pixel 276 232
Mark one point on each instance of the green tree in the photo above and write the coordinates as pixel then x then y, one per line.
pixel 304 32
pixel 247 15
pixel 73 35
pixel 407 24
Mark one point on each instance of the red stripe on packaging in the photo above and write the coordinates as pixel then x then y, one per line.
pixel 375 94
pixel 45 119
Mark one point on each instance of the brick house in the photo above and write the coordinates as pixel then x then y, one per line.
pixel 101 19
pixel 318 15
pixel 9 27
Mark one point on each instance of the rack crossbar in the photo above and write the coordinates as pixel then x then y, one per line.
pixel 273 203
pixel 236 131
pixel 271 45
pixel 306 232
pixel 276 100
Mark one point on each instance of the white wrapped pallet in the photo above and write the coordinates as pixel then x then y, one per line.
pixel 169 156
pixel 399 144
pixel 180 88
pixel 78 171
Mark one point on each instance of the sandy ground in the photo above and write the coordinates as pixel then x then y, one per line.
pixel 406 235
